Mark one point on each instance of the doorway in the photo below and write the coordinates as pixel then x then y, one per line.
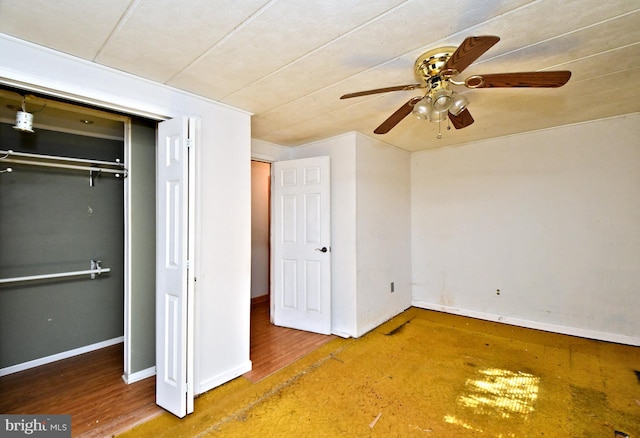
pixel 260 231
pixel 271 347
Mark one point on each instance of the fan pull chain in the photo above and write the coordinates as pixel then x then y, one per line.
pixel 439 136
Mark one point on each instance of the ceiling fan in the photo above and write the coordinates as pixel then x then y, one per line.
pixel 436 69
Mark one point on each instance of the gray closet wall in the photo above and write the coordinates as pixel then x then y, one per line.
pixel 52 220
pixel 142 178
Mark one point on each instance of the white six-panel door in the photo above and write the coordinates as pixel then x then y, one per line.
pixel 174 278
pixel 301 236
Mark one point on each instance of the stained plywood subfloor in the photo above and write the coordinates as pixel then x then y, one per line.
pixel 426 373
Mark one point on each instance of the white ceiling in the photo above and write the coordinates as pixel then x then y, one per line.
pixel 289 61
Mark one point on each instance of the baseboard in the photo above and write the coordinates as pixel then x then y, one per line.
pixel 59 356
pixel 342 334
pixel 139 375
pixel 553 328
pixel 260 299
pixel 220 379
pixel 378 322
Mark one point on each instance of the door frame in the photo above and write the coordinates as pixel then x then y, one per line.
pixel 113 107
pixel 133 224
pixel 269 215
pixel 271 159
pixel 42 70
pixel 268 159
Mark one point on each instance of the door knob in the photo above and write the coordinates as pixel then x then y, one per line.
pixel 323 249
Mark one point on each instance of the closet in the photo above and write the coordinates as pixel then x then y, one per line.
pixel 77 235
pixel 62 236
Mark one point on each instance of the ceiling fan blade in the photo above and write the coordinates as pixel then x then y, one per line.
pixel 383 90
pixel 545 79
pixel 396 117
pixel 470 50
pixel 462 120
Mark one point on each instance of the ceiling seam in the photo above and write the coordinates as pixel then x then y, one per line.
pixel 225 38
pixel 595 55
pixel 635 11
pixel 322 46
pixel 121 22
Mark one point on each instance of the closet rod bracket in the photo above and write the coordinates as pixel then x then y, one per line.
pixel 92 177
pixel 96 268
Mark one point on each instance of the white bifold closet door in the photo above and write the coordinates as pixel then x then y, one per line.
pixel 174 272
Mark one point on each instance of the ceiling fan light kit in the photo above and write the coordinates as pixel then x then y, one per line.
pixel 459 104
pixel 438 116
pixel 422 109
pixel 441 99
pixel 436 69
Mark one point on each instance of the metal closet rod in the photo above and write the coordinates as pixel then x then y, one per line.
pixel 96 269
pixel 62 162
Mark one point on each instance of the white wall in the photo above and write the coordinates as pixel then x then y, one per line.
pixel 223 248
pixel 343 233
pixel 370 228
pixel 223 252
pixel 550 219
pixel 383 232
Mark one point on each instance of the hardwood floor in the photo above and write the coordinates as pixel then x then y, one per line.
pixel 273 348
pixel 89 387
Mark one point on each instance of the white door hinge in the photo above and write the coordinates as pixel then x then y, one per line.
pixel 189 142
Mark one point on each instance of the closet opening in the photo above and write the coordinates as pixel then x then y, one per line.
pixel 77 266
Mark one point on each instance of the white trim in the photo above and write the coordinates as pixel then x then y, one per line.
pixel 193 138
pixel 59 356
pixel 553 328
pixel 218 380
pixel 128 238
pixel 139 375
pixel 37 68
pixel 14 76
pixel 264 158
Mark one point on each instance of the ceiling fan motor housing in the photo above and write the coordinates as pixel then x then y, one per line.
pixel 430 64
